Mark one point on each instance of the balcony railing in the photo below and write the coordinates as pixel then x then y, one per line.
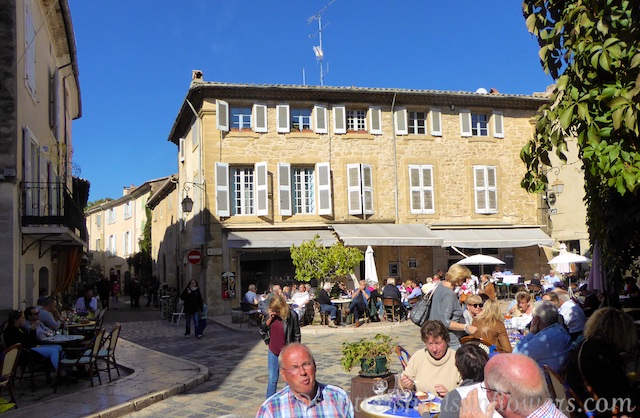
pixel 51 204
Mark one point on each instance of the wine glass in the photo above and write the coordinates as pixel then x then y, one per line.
pixel 380 387
pixel 405 397
pixel 394 395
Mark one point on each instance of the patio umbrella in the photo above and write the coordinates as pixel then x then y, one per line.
pixel 563 267
pixel 597 277
pixel 480 260
pixel 568 258
pixel 370 273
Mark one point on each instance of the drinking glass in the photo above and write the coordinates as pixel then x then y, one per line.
pixel 380 387
pixel 394 397
pixel 405 396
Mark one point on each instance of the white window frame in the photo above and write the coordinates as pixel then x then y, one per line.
pixel 401 121
pixel 259 118
pixel 284 189
pixel 303 187
pixel 320 121
pixel 465 123
pixel 223 190
pixel 485 184
pixel 323 189
pixel 245 121
pixel 414 129
pixel 498 124
pixel 222 115
pixel 375 120
pixel 480 128
pixel 339 119
pixel 261 179
pixel 417 186
pixel 181 150
pixel 435 119
pixel 111 216
pixel 304 122
pixel 247 190
pixel 356 120
pixel 283 118
pixel 359 190
pixel 127 210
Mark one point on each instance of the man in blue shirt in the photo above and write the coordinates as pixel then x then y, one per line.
pixel 548 342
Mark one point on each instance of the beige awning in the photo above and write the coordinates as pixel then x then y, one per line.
pixel 277 239
pixel 390 235
pixel 493 238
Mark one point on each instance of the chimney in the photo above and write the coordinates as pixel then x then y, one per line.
pixel 196 76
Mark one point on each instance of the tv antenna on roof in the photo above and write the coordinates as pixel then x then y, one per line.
pixel 318 49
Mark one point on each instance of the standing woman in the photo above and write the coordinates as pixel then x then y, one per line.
pixel 282 328
pixel 446 308
pixel 115 293
pixel 193 305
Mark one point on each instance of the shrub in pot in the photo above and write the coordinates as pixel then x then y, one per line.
pixel 372 355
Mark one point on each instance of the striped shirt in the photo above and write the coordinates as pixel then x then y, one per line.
pixel 330 401
pixel 547 410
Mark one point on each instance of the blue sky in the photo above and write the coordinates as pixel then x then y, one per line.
pixel 135 60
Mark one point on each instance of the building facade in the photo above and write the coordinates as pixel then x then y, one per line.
pixel 422 176
pixel 115 229
pixel 42 227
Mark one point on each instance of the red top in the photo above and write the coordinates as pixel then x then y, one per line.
pixel 276 332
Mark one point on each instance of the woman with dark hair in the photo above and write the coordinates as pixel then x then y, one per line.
pixel 279 329
pixel 15 333
pixel 596 370
pixel 193 307
pixel 470 361
pixel 433 368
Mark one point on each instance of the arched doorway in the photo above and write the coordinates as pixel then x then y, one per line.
pixel 44 288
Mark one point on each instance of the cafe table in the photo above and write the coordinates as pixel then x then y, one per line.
pixel 62 339
pixel 341 304
pixel 381 407
pixel 80 324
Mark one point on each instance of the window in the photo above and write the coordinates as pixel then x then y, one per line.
pixel 311 189
pixel 127 243
pixel 241 118
pixel 97 248
pixel 417 123
pixel 127 210
pixel 421 189
pixel 111 247
pixel 303 191
pixel 181 150
pixel 99 220
pixel 393 269
pixel 195 133
pixel 300 119
pixel 360 189
pixel 479 124
pixel 485 188
pixel 243 191
pixel 356 120
pixel 436 122
pixel 111 216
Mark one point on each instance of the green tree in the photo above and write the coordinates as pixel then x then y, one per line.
pixel 98 202
pixel 141 261
pixel 590 47
pixel 313 261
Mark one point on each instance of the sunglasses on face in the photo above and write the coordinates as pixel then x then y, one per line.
pixel 476 305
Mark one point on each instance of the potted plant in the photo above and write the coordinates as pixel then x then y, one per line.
pixel 373 355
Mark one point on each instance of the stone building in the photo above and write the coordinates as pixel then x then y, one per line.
pixel 420 175
pixel 42 225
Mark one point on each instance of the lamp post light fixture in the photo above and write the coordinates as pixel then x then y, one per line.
pixel 187 202
pixel 557 186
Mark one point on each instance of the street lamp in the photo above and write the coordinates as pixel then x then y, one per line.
pixel 187 202
pixel 557 186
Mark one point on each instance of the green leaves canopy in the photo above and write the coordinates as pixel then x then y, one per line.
pixel 313 261
pixel 591 49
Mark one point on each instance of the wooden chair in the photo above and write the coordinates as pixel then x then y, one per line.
pixel 250 313
pixel 560 392
pixel 392 309
pixel 8 370
pixel 108 351
pixel 470 339
pixel 403 356
pixel 85 360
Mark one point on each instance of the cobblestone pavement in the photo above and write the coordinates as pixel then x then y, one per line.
pixel 237 362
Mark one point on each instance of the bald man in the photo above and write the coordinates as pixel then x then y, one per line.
pixel 516 388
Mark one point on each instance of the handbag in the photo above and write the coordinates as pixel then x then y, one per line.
pixel 422 309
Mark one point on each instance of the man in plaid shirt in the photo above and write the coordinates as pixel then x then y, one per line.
pixel 516 388
pixel 304 396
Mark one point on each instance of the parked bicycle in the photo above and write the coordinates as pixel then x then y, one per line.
pixel 167 306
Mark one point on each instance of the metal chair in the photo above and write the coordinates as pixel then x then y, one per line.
pixel 108 351
pixel 8 370
pixel 175 317
pixel 403 356
pixel 470 339
pixel 85 359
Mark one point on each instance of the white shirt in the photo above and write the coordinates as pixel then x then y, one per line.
pixel 574 317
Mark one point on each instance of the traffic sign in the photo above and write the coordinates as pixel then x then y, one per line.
pixel 194 256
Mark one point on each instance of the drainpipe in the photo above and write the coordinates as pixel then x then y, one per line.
pixel 395 160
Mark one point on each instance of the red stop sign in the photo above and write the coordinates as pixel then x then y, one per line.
pixel 194 256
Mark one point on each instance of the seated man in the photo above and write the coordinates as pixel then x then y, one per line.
pixel 548 342
pixel 251 296
pixel 87 304
pixel 574 317
pixel 359 302
pixel 299 301
pixel 391 291
pixel 48 314
pixel 32 323
pixel 326 305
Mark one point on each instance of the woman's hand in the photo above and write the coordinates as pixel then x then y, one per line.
pixel 407 382
pixel 441 390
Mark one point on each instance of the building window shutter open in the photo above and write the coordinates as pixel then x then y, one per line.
pixel 480 191
pixel 415 189
pixel 323 174
pixel 354 189
pixel 222 190
pixel 282 116
pixel 30 49
pixel 486 189
pixel 320 117
pixel 498 128
pixel 339 120
pixel 367 189
pixel 436 122
pixel 427 186
pixel 400 116
pixel 181 150
pixel 261 187
pixel 375 121
pixel 465 123
pixel 492 190
pixel 222 115
pixel 284 188
pixel 260 115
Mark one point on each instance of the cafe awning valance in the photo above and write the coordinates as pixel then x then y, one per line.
pixel 393 235
pixel 493 238
pixel 277 239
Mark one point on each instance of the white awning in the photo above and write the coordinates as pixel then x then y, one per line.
pixel 493 238
pixel 390 235
pixel 277 239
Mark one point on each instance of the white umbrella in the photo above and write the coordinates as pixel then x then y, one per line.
pixel 479 260
pixel 563 267
pixel 569 258
pixel 370 273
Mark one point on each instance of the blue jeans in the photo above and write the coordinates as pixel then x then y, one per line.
pixel 52 352
pixel 274 369
pixel 333 311
pixel 196 322
pixel 358 307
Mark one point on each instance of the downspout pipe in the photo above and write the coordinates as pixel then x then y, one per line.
pixel 395 154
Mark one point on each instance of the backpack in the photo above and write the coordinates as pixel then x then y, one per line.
pixel 422 309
